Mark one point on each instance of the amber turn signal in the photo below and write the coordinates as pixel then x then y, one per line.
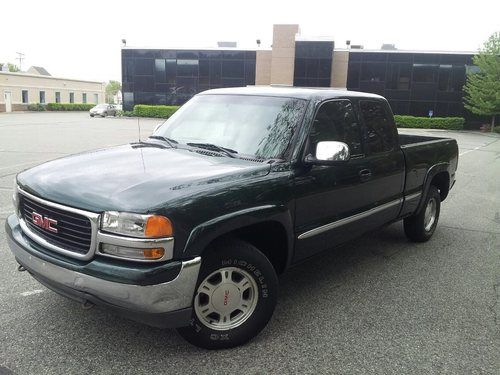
pixel 152 254
pixel 158 226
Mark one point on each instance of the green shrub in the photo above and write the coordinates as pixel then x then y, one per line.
pixel 121 113
pixel 496 129
pixel 448 123
pixel 159 111
pixel 36 107
pixel 69 107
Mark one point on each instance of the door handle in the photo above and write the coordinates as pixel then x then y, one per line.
pixel 365 174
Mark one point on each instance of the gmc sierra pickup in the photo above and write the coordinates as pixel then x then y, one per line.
pixel 190 228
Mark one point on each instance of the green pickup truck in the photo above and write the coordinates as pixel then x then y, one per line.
pixel 191 227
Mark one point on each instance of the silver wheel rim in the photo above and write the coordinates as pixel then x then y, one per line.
pixel 430 214
pixel 226 298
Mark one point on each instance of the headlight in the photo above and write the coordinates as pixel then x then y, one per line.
pixel 136 225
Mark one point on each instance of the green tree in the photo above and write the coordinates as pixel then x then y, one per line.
pixel 482 90
pixel 12 67
pixel 112 89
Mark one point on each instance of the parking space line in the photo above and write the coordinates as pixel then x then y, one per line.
pixel 31 292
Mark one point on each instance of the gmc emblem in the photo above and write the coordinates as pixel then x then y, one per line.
pixel 44 222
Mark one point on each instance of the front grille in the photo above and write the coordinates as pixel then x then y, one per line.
pixel 74 231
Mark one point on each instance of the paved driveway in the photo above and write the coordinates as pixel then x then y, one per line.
pixel 377 305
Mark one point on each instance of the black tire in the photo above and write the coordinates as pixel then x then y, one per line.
pixel 104 114
pixel 91 115
pixel 416 227
pixel 241 256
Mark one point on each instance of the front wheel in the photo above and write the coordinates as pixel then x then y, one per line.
pixel 421 226
pixel 235 297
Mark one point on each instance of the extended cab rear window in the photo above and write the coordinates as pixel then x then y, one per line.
pixel 379 133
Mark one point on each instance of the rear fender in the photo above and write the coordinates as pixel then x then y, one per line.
pixel 431 173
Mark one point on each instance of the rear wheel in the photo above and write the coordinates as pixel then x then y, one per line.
pixel 235 296
pixel 421 227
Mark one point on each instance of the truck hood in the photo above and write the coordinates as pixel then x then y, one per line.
pixel 135 177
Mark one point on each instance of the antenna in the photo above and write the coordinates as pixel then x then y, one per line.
pixel 139 127
pixel 20 58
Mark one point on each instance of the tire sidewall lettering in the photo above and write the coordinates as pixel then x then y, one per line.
pixel 249 267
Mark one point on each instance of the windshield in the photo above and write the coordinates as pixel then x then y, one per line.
pixel 101 106
pixel 253 125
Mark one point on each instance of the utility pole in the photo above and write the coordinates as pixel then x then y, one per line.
pixel 20 58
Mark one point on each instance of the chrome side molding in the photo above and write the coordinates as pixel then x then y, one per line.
pixel 348 220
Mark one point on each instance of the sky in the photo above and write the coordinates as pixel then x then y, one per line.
pixel 83 39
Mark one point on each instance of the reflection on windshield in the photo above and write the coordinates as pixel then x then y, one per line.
pixel 253 125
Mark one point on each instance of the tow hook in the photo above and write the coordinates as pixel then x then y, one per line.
pixel 21 268
pixel 87 305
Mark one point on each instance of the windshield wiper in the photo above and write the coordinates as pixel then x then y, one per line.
pixel 170 141
pixel 209 146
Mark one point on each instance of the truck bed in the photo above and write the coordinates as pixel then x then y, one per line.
pixel 423 152
pixel 409 139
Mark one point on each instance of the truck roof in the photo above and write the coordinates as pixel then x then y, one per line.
pixel 308 93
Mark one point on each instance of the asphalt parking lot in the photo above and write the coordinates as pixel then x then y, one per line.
pixel 376 305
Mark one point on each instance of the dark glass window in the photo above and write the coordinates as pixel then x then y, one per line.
pixel 233 55
pixel 215 72
pixel 424 73
pixel 300 68
pixel 458 78
pixel 84 98
pixel 25 96
pixel 375 56
pixel 128 70
pixel 174 76
pixel 312 66
pixel 336 121
pixel 353 75
pixel 71 97
pixel 160 71
pixel 187 68
pixel 378 131
pixel 373 72
pixel 325 68
pixel 144 67
pixel 250 72
pixel 42 97
pixel 399 77
pixel 204 71
pixel 171 68
pixel 313 63
pixel 128 100
pixel 187 55
pixel 146 83
pixel 233 69
pixel 444 77
pixel 58 97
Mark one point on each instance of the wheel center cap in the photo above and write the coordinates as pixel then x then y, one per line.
pixel 226 297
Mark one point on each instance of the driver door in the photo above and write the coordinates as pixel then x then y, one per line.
pixel 326 194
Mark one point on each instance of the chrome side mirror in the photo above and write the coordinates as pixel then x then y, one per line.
pixel 330 152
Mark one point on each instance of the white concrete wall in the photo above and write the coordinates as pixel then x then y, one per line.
pixel 17 82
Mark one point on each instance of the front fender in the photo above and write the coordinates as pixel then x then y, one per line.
pixel 204 233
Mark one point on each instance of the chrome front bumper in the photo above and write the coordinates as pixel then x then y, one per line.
pixel 170 296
